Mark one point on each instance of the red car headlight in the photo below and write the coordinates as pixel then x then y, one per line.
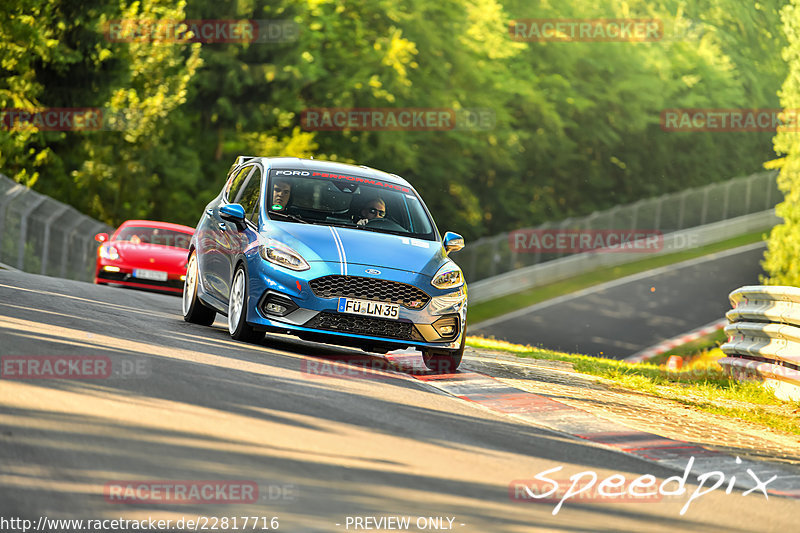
pixel 108 252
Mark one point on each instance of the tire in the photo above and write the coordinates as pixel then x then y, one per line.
pixel 238 327
pixel 444 361
pixel 194 310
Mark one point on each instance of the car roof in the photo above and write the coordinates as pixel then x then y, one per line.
pixel 157 224
pixel 297 163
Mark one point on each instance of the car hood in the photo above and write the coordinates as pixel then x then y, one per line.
pixel 360 247
pixel 143 253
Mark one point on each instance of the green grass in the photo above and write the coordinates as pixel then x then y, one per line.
pixel 693 349
pixel 703 386
pixel 492 308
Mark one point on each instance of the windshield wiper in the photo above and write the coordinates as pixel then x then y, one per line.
pixel 290 217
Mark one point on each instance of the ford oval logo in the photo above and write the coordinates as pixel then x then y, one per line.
pixel 372 271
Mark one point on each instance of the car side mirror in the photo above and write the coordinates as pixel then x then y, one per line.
pixel 232 212
pixel 452 242
pixel 101 237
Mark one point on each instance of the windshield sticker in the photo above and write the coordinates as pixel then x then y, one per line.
pixel 292 173
pixel 354 179
pixel 362 180
pixel 276 207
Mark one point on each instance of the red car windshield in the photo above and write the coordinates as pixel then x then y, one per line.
pixel 158 236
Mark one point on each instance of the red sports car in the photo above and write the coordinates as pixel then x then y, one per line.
pixel 144 254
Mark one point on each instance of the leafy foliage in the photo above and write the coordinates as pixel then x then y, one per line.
pixel 575 125
pixel 782 259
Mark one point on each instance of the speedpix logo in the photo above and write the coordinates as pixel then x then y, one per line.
pixel 586 486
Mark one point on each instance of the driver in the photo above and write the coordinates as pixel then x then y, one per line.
pixel 375 208
pixel 281 191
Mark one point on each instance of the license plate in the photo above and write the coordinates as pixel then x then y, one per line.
pixel 368 308
pixel 155 275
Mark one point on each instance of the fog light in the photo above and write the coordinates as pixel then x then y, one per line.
pixel 276 304
pixel 275 309
pixel 447 326
pixel 111 269
pixel 183 278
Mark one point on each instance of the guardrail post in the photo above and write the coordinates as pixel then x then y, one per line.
pixel 473 262
pixel 704 211
pixel 10 194
pixel 68 231
pixel 23 230
pixel 47 225
pixel 682 209
pixel 659 203
pixel 747 194
pixel 495 257
pixel 725 200
pixel 769 197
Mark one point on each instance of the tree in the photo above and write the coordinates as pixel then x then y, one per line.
pixel 782 258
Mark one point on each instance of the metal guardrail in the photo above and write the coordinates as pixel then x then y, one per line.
pixel 491 256
pixel 576 264
pixel 44 236
pixel 764 338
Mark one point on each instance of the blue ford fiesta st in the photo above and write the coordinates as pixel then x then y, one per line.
pixel 329 252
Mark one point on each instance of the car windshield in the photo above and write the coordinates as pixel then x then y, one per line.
pixel 319 197
pixel 157 236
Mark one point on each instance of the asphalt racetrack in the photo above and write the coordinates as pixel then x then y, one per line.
pixel 622 317
pixel 186 404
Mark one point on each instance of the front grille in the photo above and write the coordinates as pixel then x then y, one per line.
pixel 369 289
pixel 365 325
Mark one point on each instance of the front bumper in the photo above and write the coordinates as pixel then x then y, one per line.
pixel 297 310
pixel 173 284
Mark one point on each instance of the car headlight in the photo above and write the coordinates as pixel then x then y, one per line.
pixel 449 276
pixel 109 252
pixel 280 254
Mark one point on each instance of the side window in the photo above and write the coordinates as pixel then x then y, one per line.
pixel 236 183
pixel 250 195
